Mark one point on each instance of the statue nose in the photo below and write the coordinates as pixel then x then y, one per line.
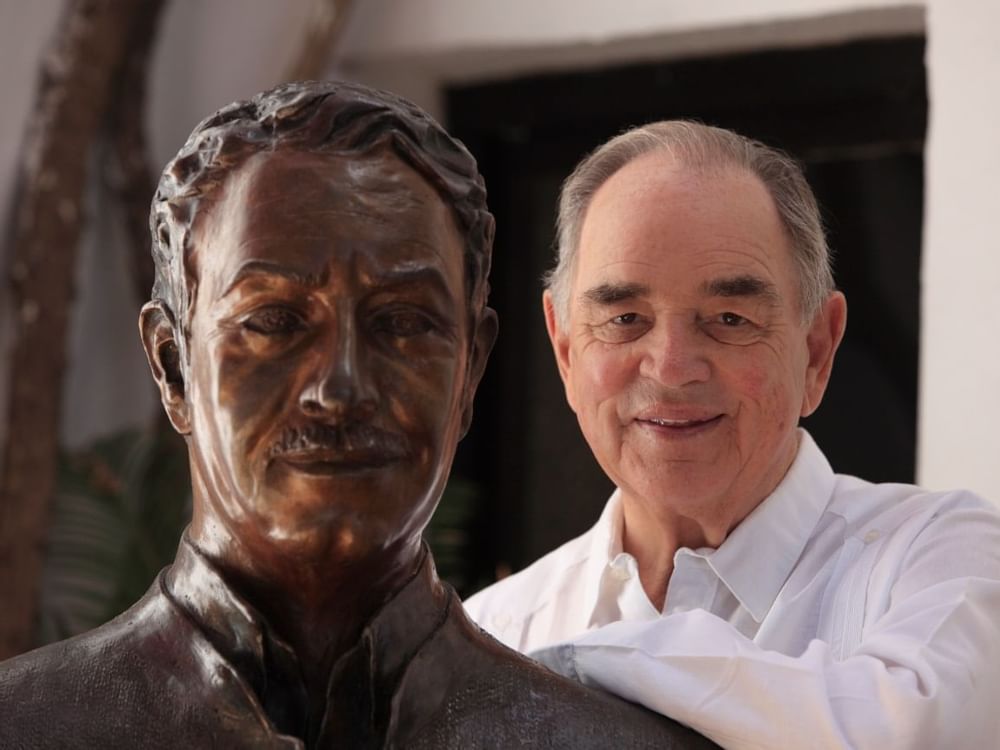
pixel 341 386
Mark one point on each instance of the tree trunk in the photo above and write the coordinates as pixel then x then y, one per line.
pixel 76 83
pixel 126 168
pixel 327 19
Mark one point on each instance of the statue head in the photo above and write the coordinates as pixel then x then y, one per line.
pixel 318 323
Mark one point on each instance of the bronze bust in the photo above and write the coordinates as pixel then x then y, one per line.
pixel 317 331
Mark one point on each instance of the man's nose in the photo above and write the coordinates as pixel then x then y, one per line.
pixel 676 353
pixel 341 386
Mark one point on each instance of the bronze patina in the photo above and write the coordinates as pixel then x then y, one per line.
pixel 317 331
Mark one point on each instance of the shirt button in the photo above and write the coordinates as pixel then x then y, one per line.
pixel 871 536
pixel 501 621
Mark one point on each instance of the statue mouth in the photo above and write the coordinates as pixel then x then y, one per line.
pixel 330 449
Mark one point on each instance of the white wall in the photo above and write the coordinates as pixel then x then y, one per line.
pixel 213 51
pixel 413 47
pixel 959 441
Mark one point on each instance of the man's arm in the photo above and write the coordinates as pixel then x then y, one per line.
pixel 926 672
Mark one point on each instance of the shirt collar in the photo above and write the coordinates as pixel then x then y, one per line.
pixel 262 659
pixel 605 545
pixel 752 570
pixel 756 559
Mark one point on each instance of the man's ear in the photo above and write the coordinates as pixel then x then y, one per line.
pixel 560 344
pixel 483 339
pixel 822 340
pixel 156 326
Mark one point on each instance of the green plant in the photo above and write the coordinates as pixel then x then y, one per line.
pixel 120 507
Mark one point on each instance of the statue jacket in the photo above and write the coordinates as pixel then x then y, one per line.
pixel 193 665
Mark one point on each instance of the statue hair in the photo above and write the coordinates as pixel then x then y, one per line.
pixel 321 117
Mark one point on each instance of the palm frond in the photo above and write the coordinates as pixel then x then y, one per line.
pixel 119 510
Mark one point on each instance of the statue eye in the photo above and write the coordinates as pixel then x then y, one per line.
pixel 403 323
pixel 274 321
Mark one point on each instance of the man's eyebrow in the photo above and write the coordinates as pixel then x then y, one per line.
pixel 610 294
pixel 741 286
pixel 269 268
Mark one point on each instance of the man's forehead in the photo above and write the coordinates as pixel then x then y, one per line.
pixel 660 226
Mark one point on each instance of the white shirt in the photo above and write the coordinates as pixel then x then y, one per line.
pixel 839 613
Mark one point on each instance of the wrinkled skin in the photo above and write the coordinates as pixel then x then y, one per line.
pixel 686 356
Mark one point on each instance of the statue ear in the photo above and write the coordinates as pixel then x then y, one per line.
pixel 159 339
pixel 483 338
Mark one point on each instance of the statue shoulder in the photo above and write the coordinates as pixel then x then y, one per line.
pixel 82 687
pixel 487 695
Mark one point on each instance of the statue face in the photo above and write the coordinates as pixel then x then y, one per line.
pixel 329 352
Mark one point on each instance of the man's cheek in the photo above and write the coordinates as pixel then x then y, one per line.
pixel 601 376
pixel 766 391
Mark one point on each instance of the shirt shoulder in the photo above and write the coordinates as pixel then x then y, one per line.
pixel 902 545
pixel 876 510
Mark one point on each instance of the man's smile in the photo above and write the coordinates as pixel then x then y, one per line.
pixel 679 427
pixel 677 417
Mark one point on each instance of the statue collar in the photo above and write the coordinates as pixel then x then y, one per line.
pixel 360 709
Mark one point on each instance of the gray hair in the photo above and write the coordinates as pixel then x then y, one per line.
pixel 702 148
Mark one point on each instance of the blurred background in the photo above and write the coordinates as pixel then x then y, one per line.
pixel 893 107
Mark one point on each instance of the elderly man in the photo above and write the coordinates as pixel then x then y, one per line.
pixel 317 330
pixel 734 581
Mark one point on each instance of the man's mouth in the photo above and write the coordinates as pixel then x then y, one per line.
pixel 681 426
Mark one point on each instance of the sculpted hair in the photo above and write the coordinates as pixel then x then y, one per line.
pixel 701 148
pixel 317 117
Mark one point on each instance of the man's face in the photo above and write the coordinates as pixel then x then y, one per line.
pixel 329 358
pixel 685 356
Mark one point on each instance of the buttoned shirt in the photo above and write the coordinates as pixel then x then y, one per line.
pixel 839 613
pixel 194 665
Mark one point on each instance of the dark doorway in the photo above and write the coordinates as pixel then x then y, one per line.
pixel 855 114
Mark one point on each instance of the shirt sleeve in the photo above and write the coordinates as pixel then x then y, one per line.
pixel 926 673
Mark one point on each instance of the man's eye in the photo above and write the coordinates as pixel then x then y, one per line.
pixel 621 328
pixel 732 328
pixel 732 320
pixel 274 321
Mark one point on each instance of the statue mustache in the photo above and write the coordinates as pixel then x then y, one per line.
pixel 343 438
